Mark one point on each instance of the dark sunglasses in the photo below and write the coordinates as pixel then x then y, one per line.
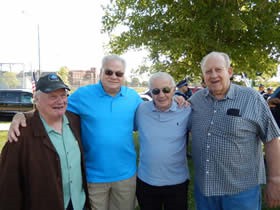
pixel 109 72
pixel 156 91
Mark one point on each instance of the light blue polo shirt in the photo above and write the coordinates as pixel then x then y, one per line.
pixel 107 128
pixel 162 138
pixel 70 161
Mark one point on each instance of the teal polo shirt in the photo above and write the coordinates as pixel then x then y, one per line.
pixel 107 131
pixel 69 154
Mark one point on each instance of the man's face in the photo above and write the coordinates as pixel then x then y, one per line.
pixel 162 100
pixel 112 76
pixel 52 105
pixel 217 76
pixel 184 89
pixel 261 88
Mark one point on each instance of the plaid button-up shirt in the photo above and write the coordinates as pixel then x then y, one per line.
pixel 227 138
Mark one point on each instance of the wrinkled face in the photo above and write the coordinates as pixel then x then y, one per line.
pixel 162 93
pixel 112 76
pixel 52 105
pixel 217 76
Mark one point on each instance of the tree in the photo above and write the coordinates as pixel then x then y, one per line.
pixel 144 84
pixel 64 74
pixel 178 33
pixel 135 82
pixel 9 80
pixel 141 72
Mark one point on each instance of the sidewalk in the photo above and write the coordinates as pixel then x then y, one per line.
pixel 4 126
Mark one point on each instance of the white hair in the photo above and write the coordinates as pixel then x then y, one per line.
pixel 108 58
pixel 161 75
pixel 215 54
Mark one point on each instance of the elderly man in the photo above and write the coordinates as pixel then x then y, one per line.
pixel 45 169
pixel 229 125
pixel 107 111
pixel 163 174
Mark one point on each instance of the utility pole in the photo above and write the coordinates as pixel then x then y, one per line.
pixel 39 50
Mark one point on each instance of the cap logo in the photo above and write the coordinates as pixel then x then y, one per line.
pixel 53 77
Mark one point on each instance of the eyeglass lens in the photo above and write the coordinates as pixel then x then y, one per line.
pixel 109 72
pixel 156 91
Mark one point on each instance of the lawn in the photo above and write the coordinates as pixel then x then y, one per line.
pixel 3 139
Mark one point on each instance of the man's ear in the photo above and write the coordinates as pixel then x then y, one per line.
pixel 230 71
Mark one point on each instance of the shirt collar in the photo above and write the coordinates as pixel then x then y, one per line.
pixel 48 128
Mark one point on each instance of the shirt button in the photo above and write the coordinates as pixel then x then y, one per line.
pixel 209 134
pixel 207 146
pixel 207 160
pixel 207 172
pixel 215 111
pixel 211 123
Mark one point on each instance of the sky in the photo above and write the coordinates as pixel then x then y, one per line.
pixel 69 32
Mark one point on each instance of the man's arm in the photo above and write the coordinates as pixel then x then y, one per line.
pixel 273 102
pixel 272 189
pixel 18 120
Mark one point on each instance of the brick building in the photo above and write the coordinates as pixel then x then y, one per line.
pixel 79 78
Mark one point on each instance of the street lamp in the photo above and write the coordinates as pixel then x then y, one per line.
pixel 27 14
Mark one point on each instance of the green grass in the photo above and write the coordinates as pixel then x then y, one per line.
pixel 3 139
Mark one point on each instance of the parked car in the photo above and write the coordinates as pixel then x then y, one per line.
pixel 15 100
pixel 146 95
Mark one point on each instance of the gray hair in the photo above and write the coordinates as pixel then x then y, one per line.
pixel 215 54
pixel 108 58
pixel 35 95
pixel 163 76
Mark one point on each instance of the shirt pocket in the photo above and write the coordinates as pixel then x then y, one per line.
pixel 236 127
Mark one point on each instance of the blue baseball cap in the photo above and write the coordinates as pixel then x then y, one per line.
pixel 182 83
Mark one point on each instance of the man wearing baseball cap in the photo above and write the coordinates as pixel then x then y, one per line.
pixel 45 169
pixel 183 89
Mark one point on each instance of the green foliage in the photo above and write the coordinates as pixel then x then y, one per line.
pixel 9 80
pixel 135 82
pixel 179 33
pixel 64 74
pixel 144 84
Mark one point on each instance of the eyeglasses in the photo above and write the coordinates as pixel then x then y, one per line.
pixel 156 91
pixel 109 72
